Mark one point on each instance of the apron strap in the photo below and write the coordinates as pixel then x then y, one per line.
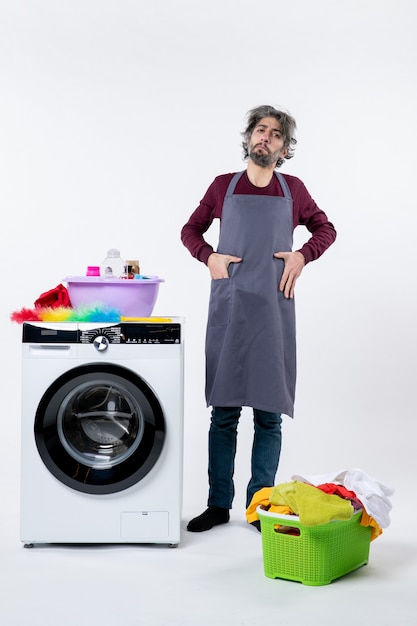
pixel 284 185
pixel 233 183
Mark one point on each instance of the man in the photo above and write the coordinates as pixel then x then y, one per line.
pixel 250 339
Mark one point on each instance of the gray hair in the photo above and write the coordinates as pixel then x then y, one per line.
pixel 288 127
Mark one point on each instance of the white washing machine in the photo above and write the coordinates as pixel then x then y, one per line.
pixel 102 432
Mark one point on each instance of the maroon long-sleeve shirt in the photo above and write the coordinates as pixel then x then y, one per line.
pixel 305 212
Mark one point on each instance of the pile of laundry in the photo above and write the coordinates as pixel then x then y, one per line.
pixel 324 498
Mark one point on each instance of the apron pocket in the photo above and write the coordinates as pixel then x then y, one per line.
pixel 220 302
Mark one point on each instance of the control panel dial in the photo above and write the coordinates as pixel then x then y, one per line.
pixel 101 343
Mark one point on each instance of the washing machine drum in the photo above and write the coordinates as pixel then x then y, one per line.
pixel 99 428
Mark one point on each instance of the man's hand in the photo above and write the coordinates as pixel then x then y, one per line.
pixel 218 264
pixel 293 266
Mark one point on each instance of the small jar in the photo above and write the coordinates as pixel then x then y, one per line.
pixel 93 270
pixel 128 272
pixel 134 264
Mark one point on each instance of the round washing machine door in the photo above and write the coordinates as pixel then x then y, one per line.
pixel 99 428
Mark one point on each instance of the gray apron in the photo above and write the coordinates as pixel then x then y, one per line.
pixel 250 339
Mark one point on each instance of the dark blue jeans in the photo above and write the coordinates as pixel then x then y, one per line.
pixel 266 451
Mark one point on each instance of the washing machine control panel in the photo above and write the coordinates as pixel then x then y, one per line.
pixel 131 333
pixel 128 333
pixel 101 338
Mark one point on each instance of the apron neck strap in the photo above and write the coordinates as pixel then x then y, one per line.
pixel 284 185
pixel 232 185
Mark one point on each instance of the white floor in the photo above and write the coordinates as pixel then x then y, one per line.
pixel 211 578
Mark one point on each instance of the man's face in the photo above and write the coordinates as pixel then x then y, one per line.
pixel 266 142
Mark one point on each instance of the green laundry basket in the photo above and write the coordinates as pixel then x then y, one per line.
pixel 313 555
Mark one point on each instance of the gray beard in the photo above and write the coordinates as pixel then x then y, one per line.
pixel 263 160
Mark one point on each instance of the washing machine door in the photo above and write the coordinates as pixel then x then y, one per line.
pixel 99 428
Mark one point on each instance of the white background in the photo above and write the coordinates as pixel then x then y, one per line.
pixel 115 116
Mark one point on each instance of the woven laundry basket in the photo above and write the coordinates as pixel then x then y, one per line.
pixel 313 555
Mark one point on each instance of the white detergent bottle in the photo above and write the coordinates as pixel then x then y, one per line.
pixel 113 265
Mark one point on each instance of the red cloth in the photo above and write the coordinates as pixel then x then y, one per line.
pixel 338 490
pixel 54 298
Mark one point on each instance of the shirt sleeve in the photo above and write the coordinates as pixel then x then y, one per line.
pixel 308 214
pixel 192 233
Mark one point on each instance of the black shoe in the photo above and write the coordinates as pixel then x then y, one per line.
pixel 257 524
pixel 213 516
